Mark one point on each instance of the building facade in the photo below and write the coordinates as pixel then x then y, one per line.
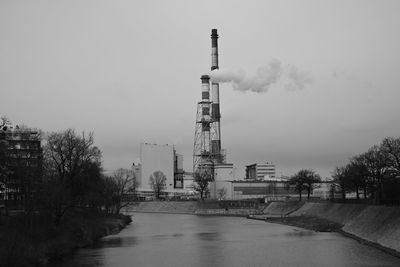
pixel 154 157
pixel 260 171
pixel 21 164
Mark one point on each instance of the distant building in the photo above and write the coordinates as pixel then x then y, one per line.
pixel 268 189
pixel 178 170
pixel 224 174
pixel 154 157
pixel 188 182
pixel 260 171
pixel 137 171
pixel 22 158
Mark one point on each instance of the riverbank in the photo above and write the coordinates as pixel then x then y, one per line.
pixel 378 226
pixel 39 243
pixel 310 223
pixel 210 208
pixel 374 224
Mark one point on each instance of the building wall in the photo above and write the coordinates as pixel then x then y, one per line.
pixel 137 171
pixel 224 174
pixel 271 190
pixel 178 171
pixel 260 171
pixel 23 157
pixel 156 158
pixel 188 181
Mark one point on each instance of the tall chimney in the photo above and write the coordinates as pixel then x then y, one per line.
pixel 205 87
pixel 214 49
pixel 205 110
pixel 216 136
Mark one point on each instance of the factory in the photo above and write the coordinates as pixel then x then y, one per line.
pixel 164 158
pixel 208 155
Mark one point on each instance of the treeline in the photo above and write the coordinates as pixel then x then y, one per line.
pixel 54 195
pixel 66 174
pixel 373 175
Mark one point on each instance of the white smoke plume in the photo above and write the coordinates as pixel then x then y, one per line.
pixel 266 76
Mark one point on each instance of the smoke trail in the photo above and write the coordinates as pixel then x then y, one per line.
pixel 264 78
pixel 297 79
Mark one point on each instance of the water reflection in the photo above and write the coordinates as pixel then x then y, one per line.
pixel 116 241
pixel 185 240
pixel 207 236
pixel 299 232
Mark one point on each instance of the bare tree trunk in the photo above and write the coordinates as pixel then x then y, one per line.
pixel 365 191
pixel 343 192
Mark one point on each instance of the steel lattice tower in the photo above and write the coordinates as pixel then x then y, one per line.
pixel 207 139
pixel 203 156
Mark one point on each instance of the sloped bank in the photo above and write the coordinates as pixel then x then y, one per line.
pixel 376 225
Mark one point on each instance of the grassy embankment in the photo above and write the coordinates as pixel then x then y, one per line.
pixel 38 242
pixel 378 226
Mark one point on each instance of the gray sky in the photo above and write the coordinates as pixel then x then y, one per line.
pixel 130 72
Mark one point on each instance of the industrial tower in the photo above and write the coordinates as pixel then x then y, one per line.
pixel 207 138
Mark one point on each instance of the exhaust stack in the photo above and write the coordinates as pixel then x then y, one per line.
pixel 216 136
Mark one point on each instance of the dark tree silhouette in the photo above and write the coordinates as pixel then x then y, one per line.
pixel 304 180
pixel 158 183
pixel 202 179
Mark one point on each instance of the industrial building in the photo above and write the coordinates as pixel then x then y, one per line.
pixel 260 180
pixel 164 158
pixel 260 171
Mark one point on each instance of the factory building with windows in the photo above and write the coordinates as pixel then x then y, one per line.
pixel 260 171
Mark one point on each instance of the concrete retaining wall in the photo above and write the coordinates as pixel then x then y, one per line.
pixel 226 212
pixel 166 207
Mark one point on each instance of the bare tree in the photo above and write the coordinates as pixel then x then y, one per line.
pixel 158 183
pixel 125 183
pixel 304 180
pixel 4 123
pixel 70 161
pixel 202 179
pixel 4 171
pixel 340 179
pixel 375 161
pixel 391 147
pixel 221 193
pixel 311 179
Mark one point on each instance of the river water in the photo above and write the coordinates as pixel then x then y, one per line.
pixel 187 240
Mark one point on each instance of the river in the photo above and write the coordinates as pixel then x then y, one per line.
pixel 187 240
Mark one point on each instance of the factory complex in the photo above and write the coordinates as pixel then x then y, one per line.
pixel 259 182
pixel 208 156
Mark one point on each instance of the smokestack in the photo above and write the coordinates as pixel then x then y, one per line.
pixel 216 136
pixel 214 49
pixel 205 109
pixel 205 87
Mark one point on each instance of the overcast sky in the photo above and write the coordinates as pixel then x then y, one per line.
pixel 130 72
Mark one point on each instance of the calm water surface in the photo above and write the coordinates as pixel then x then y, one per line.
pixel 187 240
